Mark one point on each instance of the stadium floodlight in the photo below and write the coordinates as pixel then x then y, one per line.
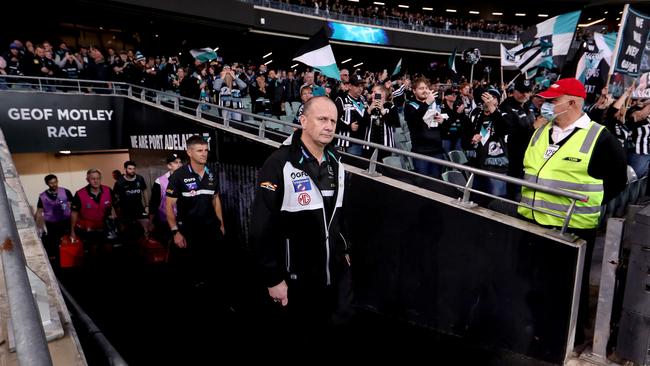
pixel 592 23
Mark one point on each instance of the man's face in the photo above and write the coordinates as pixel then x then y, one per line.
pixel 40 52
pixel 94 179
pixel 421 91
pixel 198 153
pixel 521 97
pixel 47 46
pixel 319 123
pixel 53 184
pixel 272 74
pixel 290 75
pixel 465 91
pixel 345 76
pixel 174 165
pixel 116 175
pixel 130 53
pixel 124 57
pixel 355 91
pixel 130 171
pixel 309 78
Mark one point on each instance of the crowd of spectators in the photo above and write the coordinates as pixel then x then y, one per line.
pixel 413 18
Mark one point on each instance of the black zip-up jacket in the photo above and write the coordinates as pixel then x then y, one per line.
pixel 292 235
pixel 426 140
pixel 519 123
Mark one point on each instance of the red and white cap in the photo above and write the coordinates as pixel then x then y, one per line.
pixel 568 86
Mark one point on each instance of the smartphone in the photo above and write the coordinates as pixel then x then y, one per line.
pixel 377 96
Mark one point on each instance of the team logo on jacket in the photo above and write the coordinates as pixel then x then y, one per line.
pixel 304 199
pixel 192 186
pixel 301 185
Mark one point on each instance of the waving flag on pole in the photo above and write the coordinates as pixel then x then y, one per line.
pixel 318 54
pixel 596 58
pixel 398 68
pixel 452 60
pixel 204 54
pixel 547 44
pixel 507 59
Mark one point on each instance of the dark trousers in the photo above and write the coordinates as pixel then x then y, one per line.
pixel 199 263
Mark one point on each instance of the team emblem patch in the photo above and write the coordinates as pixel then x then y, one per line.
pixel 301 185
pixel 304 199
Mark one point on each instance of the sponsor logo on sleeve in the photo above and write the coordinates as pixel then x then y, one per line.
pixel 268 185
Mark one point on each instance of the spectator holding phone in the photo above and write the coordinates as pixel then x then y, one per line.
pixel 379 122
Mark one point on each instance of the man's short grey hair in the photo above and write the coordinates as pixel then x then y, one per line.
pixel 93 170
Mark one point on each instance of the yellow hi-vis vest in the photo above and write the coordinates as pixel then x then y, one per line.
pixel 565 169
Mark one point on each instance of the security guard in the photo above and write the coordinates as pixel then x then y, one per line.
pixel 575 154
pixel 296 226
pixel 197 225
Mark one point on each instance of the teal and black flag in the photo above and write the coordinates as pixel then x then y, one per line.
pixel 318 54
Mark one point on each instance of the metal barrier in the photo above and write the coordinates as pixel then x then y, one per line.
pixel 112 356
pixel 194 108
pixel 390 22
pixel 31 344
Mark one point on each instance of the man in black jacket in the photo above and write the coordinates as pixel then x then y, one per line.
pixel 520 124
pixel 296 225
pixel 424 122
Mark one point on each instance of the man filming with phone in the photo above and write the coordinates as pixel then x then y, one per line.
pixel 379 122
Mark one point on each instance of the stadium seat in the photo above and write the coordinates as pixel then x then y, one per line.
pixel 394 161
pixel 455 177
pixel 458 157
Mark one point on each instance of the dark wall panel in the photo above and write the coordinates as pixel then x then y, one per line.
pixel 460 273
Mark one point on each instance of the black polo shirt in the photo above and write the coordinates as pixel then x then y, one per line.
pixel 194 196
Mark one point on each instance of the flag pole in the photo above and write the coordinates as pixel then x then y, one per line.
pixel 618 43
pixel 513 80
pixel 501 75
pixel 471 75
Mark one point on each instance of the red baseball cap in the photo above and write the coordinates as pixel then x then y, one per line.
pixel 568 86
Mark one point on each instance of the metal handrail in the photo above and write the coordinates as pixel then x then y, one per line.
pixel 112 355
pixel 262 127
pixel 31 343
pixel 393 22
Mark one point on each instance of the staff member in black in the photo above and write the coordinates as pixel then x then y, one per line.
pixel 296 226
pixel 197 226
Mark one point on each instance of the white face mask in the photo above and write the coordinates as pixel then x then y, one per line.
pixel 548 110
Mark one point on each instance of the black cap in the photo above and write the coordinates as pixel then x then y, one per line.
pixel 172 158
pixel 524 86
pixel 356 80
pixel 494 92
